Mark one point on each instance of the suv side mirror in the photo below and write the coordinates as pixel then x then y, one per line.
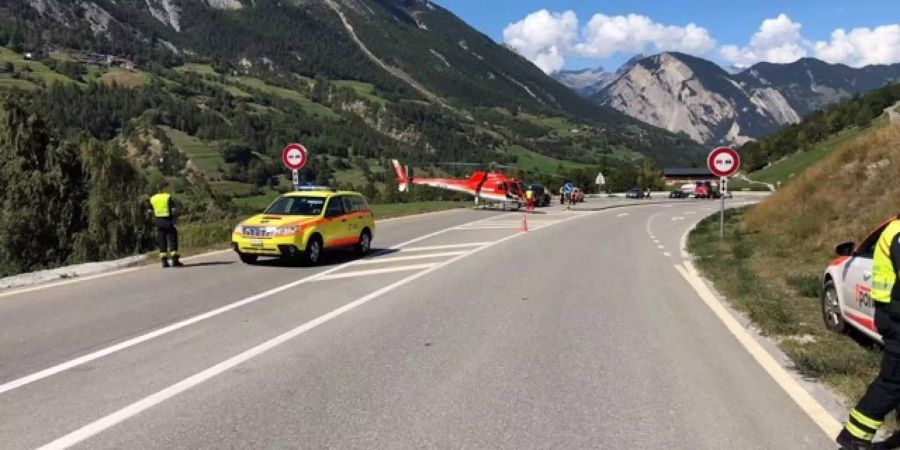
pixel 845 249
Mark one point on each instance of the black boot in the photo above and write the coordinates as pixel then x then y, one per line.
pixel 165 263
pixel 848 441
pixel 176 262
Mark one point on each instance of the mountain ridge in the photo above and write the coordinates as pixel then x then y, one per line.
pixel 696 97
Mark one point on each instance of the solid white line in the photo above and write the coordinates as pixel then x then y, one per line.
pixel 364 273
pixel 392 259
pixel 504 227
pixel 443 247
pixel 28 379
pixel 133 409
pixel 804 400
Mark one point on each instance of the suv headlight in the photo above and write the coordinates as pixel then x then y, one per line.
pixel 287 231
pixel 238 229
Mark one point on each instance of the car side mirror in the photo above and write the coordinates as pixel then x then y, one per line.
pixel 845 249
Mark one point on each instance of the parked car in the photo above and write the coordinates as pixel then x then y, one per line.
pixel 677 193
pixel 635 193
pixel 541 196
pixel 847 283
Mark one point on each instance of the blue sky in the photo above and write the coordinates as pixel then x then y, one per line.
pixel 805 29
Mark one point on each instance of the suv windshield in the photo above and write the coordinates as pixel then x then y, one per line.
pixel 297 206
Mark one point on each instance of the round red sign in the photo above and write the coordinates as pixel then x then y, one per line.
pixel 724 162
pixel 294 156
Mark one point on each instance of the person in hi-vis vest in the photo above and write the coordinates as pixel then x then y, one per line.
pixel 166 233
pixel 883 395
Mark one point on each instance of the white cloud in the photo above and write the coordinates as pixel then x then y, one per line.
pixel 778 40
pixel 543 38
pixel 606 35
pixel 861 46
pixel 546 38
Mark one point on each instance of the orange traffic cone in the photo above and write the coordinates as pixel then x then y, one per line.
pixel 524 223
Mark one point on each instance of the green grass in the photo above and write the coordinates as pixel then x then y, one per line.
pixel 529 160
pixel 385 211
pixel 202 69
pixel 781 299
pixel 560 125
pixel 204 155
pixel 11 83
pixel 784 170
pixel 288 94
pixel 233 90
pixel 365 90
pixel 350 176
pixel 234 188
pixel 38 69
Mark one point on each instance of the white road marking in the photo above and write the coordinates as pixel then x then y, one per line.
pixel 623 215
pixel 365 273
pixel 677 219
pixel 656 241
pixel 667 254
pixel 393 259
pixel 660 247
pixel 488 227
pixel 106 422
pixel 804 400
pixel 443 247
pixel 28 379
pixel 690 213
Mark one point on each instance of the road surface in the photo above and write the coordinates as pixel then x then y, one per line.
pixel 463 333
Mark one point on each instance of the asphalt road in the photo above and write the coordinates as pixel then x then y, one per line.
pixel 463 333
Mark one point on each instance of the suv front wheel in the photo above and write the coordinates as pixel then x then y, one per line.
pixel 831 309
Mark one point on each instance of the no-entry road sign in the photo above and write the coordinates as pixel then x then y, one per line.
pixel 724 162
pixel 294 156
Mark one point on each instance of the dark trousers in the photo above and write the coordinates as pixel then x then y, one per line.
pixel 166 237
pixel 883 394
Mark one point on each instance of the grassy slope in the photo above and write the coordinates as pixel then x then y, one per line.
pixel 785 169
pixel 529 160
pixel 38 69
pixel 771 264
pixel 203 154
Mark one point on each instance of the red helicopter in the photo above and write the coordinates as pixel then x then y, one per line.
pixel 486 186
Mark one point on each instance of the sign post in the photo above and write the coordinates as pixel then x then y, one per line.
pixel 723 162
pixel 294 157
pixel 600 181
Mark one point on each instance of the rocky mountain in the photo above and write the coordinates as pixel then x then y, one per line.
pixel 408 50
pixel 689 95
pixel 585 82
pixel 588 82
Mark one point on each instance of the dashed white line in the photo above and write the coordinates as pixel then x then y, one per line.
pixel 623 215
pixel 667 254
pixel 393 259
pixel 365 273
pixel 443 247
pixel 660 247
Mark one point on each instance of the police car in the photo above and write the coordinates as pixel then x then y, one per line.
pixel 847 284
pixel 303 224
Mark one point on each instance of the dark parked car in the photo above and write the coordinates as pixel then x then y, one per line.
pixel 635 193
pixel 676 193
pixel 541 196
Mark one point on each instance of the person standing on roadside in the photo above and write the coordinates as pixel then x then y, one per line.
pixel 529 200
pixel 883 395
pixel 163 209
